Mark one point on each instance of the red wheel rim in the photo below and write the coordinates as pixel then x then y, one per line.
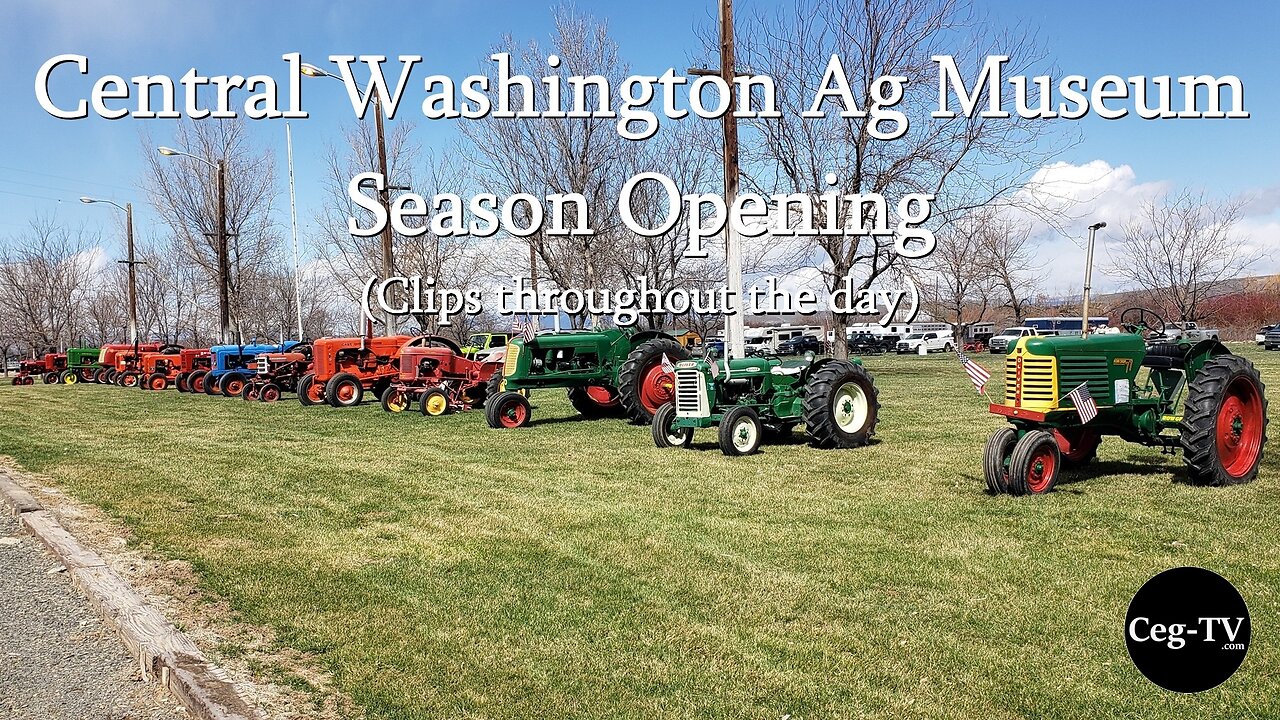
pixel 157 384
pixel 270 395
pixel 235 387
pixel 657 388
pixel 197 385
pixel 346 393
pixel 1040 470
pixel 315 393
pixel 253 394
pixel 130 381
pixel 602 396
pixel 1239 429
pixel 513 414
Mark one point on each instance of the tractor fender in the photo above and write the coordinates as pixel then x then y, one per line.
pixel 1204 351
pixel 428 340
pixel 819 364
pixel 645 336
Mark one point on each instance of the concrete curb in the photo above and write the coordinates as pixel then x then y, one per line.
pixel 163 653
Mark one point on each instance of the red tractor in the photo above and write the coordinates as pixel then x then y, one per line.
pixel 190 362
pixel 276 373
pixel 344 368
pixel 52 366
pixel 27 370
pixel 128 364
pixel 113 356
pixel 435 374
pixel 158 370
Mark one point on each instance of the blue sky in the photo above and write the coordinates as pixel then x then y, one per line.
pixel 46 159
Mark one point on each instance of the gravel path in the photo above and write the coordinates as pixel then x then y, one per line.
pixel 57 658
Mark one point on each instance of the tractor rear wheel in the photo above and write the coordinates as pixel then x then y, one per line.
pixel 232 384
pixel 50 378
pixel 269 393
pixel 309 392
pixel 212 385
pixel 1224 422
pixel 1034 465
pixel 841 406
pixel 740 432
pixel 995 459
pixel 97 375
pixel 434 402
pixel 180 382
pixel 157 381
pixel 395 400
pixel 1078 446
pixel 195 381
pixel 595 401
pixel 642 383
pixel 344 390
pixel 508 410
pixel 665 436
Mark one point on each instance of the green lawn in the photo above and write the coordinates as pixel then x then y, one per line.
pixel 440 568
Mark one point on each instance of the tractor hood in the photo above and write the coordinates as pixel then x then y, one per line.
pixel 1126 344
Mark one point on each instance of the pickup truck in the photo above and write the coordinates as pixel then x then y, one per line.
pixel 941 341
pixel 1000 343
pixel 1185 332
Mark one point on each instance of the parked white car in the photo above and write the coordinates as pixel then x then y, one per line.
pixel 1261 337
pixel 1000 343
pixel 1186 332
pixel 933 341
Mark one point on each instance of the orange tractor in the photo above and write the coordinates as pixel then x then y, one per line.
pixel 437 376
pixel 117 357
pixel 128 365
pixel 190 362
pixel 276 373
pixel 345 368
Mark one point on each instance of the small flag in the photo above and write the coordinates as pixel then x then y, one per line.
pixel 978 375
pixel 667 366
pixel 1084 403
pixel 715 368
pixel 528 329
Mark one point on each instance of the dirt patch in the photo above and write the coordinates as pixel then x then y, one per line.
pixel 282 682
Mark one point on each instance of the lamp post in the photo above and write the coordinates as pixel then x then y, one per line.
pixel 384 195
pixel 224 269
pixel 132 262
pixel 1088 279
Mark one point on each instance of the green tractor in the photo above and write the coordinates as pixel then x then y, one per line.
pixel 1194 396
pixel 82 363
pixel 608 372
pixel 749 398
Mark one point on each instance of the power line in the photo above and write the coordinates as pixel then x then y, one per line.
pixel 34 197
pixel 130 188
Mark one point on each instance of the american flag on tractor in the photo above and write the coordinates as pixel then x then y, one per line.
pixel 1084 403
pixel 978 375
pixel 524 328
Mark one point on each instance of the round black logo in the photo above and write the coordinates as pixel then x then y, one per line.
pixel 1187 629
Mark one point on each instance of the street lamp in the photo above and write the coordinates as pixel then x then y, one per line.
pixel 384 195
pixel 131 262
pixel 224 270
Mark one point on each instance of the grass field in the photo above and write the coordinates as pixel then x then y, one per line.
pixel 439 568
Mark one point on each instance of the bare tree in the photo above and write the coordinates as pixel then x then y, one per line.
pixel 959 278
pixel 964 162
pixel 1006 246
pixel 44 276
pixel 185 194
pixel 1180 248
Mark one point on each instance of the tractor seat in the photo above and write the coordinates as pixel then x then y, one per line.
pixel 1165 356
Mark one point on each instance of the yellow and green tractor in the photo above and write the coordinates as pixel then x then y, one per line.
pixel 1198 397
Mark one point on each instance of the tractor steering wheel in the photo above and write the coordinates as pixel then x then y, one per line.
pixel 1139 320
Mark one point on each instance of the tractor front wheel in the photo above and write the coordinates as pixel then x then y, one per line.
pixel 995 459
pixel 740 432
pixel 157 381
pixel 1034 464
pixel 232 384
pixel 249 392
pixel 395 400
pixel 50 378
pixel 841 406
pixel 130 379
pixel 269 393
pixel 666 436
pixel 594 401
pixel 508 410
pixel 434 402
pixel 643 384
pixel 69 377
pixel 344 390
pixel 1224 422
pixel 309 391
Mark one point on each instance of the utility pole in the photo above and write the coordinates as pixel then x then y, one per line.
pixel 734 343
pixel 133 274
pixel 388 257
pixel 224 265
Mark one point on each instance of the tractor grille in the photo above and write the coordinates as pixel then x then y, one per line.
pixel 691 394
pixel 1092 370
pixel 513 357
pixel 1030 381
pixel 262 365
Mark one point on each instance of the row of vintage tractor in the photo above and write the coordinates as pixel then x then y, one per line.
pixel 1197 397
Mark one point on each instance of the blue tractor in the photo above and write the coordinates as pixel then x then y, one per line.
pixel 231 367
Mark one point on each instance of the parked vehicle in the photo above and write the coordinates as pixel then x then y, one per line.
pixel 1196 396
pixel 605 372
pixel 1000 343
pixel 1272 341
pixel 800 345
pixel 115 356
pixel 437 377
pixel 1185 331
pixel 54 364
pixel 869 344
pixel 933 341
pixel 192 362
pixel 82 363
pixel 486 345
pixel 27 372
pixel 1261 337
pixel 1066 325
pixel 345 368
pixel 275 373
pixel 231 366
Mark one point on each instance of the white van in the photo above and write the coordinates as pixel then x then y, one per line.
pixel 931 341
